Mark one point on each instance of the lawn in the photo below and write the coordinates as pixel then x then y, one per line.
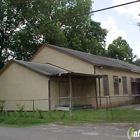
pixel 79 117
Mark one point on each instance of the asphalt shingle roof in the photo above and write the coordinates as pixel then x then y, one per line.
pixel 46 69
pixel 98 60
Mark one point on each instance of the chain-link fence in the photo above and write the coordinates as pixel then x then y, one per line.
pixel 105 104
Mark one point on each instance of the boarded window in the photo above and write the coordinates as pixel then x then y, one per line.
pixel 106 85
pixel 116 85
pixel 124 81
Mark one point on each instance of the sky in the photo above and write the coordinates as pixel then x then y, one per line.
pixel 121 21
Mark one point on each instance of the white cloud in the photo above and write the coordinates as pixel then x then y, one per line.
pixel 113 30
pixel 132 10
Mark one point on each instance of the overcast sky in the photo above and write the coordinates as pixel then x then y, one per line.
pixel 120 21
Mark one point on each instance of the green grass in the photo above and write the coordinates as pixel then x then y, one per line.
pixel 79 117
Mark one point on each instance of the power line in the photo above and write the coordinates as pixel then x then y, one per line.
pixel 99 10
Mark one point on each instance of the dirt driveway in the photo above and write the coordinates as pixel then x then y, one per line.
pixel 135 106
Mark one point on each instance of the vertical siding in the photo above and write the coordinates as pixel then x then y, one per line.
pixel 82 88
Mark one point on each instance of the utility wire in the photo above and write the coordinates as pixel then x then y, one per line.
pixel 79 15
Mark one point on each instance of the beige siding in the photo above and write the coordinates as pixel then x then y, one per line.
pixel 63 60
pixel 20 83
pixel 82 88
pixel 48 55
pixel 115 99
pixel 120 73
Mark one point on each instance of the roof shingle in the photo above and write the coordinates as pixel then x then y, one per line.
pixel 98 60
pixel 46 69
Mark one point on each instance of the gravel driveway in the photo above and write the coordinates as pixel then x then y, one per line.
pixel 59 132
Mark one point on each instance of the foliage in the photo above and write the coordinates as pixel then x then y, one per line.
pixel 120 49
pixel 79 117
pixel 2 103
pixel 40 113
pixel 25 25
pixel 137 62
pixel 21 108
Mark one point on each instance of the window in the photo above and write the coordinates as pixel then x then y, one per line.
pixel 116 85
pixel 124 81
pixel 106 85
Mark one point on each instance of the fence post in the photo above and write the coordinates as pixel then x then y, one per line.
pixel 106 108
pixel 33 105
pixel 110 107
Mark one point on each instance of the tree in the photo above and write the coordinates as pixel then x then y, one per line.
pixel 81 32
pixel 137 62
pixel 120 49
pixel 21 29
pixel 25 25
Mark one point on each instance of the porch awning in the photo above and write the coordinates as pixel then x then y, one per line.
pixel 75 74
pixel 51 70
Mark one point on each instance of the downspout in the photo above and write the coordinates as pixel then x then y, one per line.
pixel 96 93
pixel 95 85
pixel 99 91
pixel 70 88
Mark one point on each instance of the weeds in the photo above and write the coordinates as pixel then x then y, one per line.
pixel 2 103
pixel 21 108
pixel 92 116
pixel 40 113
pixel 63 115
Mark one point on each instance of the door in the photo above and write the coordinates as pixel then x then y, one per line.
pixel 64 93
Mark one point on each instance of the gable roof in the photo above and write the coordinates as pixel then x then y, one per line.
pixel 97 60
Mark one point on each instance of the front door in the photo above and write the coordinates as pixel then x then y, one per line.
pixel 64 93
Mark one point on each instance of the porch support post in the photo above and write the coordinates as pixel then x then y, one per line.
pixel 70 88
pixel 49 95
pixel 96 93
pixel 99 91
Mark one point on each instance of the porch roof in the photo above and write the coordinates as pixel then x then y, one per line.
pixel 49 69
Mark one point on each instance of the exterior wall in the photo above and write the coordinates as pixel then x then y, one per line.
pixel 48 55
pixel 60 59
pixel 59 87
pixel 116 100
pixel 20 83
pixel 113 72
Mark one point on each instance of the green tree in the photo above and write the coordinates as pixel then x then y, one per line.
pixel 82 33
pixel 22 28
pixel 25 25
pixel 120 49
pixel 137 62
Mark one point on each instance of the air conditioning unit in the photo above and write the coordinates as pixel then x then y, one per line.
pixel 133 80
pixel 117 80
pixel 137 79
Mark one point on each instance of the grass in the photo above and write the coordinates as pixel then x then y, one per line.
pixel 79 117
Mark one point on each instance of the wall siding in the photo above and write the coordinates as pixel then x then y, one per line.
pixel 20 83
pixel 48 55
